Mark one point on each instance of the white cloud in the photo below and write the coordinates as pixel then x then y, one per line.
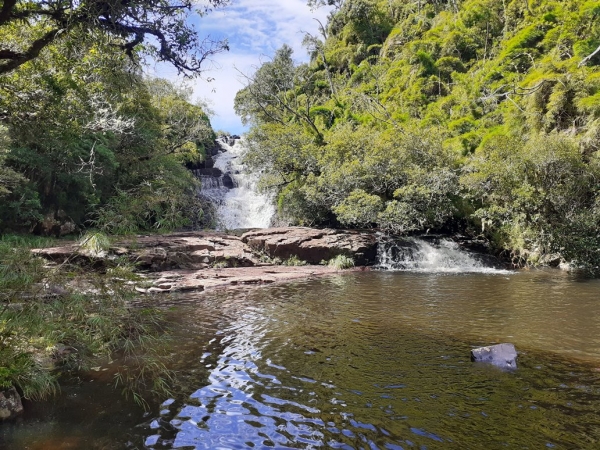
pixel 254 29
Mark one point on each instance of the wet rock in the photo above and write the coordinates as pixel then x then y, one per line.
pixel 211 172
pixel 500 355
pixel 312 245
pixel 228 181
pixel 10 404
pixel 214 278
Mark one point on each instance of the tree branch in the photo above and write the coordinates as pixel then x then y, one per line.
pixel 16 59
pixel 6 11
pixel 585 60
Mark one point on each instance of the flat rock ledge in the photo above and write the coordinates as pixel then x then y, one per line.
pixel 206 279
pixel 197 261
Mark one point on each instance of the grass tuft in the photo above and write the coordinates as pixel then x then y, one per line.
pixel 341 262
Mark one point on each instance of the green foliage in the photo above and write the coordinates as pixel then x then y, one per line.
pixel 83 131
pixel 341 262
pixel 9 179
pixel 442 115
pixel 161 26
pixel 94 243
pixel 45 325
pixel 358 209
pixel 294 261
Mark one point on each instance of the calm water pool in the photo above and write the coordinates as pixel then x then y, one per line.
pixel 364 360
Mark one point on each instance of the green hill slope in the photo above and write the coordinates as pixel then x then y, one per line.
pixel 481 116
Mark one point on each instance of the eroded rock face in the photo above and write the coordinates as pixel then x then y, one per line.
pixel 312 245
pixel 10 404
pixel 196 250
pixel 500 355
pixel 192 250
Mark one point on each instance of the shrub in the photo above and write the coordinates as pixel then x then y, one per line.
pixel 294 261
pixel 341 262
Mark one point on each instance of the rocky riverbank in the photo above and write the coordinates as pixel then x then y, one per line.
pixel 197 261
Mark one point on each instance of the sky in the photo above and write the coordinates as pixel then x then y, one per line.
pixel 255 29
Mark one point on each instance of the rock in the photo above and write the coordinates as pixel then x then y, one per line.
pixel 10 404
pixel 212 278
pixel 312 245
pixel 228 181
pixel 55 224
pixel 500 355
pixel 199 250
pixel 211 172
pixel 552 260
pixel 191 250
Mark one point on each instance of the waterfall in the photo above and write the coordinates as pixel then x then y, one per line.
pixel 233 190
pixel 431 256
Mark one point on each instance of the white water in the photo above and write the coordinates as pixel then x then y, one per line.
pixel 243 206
pixel 417 255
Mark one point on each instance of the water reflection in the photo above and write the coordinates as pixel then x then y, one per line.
pixel 365 360
pixel 381 361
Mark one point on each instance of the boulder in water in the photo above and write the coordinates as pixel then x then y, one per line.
pixel 500 355
pixel 228 181
pixel 10 404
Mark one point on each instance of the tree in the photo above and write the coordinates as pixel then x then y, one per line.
pixel 81 128
pixel 8 177
pixel 314 4
pixel 161 26
pixel 280 92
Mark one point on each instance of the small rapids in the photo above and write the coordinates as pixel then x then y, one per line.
pixel 440 256
pixel 240 206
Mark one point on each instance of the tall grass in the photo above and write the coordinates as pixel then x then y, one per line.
pixel 64 317
pixel 341 262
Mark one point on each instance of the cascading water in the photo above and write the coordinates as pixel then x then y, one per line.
pixel 418 255
pixel 234 191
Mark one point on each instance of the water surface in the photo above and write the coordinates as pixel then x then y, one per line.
pixel 370 360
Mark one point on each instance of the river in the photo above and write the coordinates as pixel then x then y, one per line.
pixel 367 360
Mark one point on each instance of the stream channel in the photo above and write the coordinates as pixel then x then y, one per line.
pixel 363 360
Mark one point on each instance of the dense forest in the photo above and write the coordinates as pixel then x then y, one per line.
pixel 89 141
pixel 476 116
pixel 86 139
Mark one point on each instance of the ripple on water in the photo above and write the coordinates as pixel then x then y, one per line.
pixel 303 373
pixel 290 366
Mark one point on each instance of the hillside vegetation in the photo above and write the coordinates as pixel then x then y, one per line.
pixel 87 140
pixel 478 116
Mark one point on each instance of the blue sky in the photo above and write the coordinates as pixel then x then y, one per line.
pixel 254 29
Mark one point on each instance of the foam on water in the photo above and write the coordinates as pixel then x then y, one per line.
pixel 243 206
pixel 442 256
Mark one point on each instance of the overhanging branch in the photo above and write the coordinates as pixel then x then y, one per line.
pixel 15 59
pixel 585 60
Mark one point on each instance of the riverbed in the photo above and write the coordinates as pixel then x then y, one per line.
pixel 360 360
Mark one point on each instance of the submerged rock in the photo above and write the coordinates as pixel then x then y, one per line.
pixel 10 404
pixel 500 355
